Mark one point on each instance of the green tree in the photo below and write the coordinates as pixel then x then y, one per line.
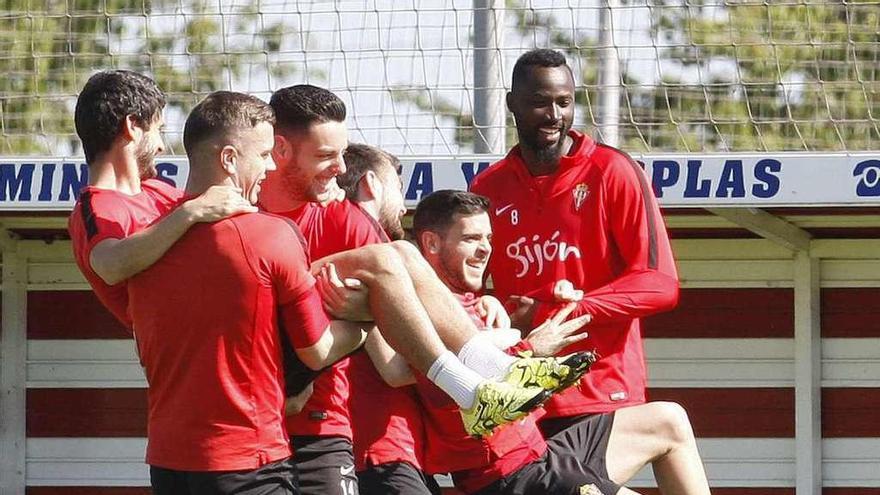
pixel 774 77
pixel 50 48
pixel 805 75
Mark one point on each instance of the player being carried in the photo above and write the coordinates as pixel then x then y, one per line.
pixel 387 427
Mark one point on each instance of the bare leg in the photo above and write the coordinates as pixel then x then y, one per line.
pixel 396 274
pixel 450 320
pixel 658 433
pixel 404 322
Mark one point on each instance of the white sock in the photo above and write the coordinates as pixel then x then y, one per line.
pixel 456 379
pixel 503 338
pixel 481 355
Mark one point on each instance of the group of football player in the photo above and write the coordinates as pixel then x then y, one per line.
pixel 294 342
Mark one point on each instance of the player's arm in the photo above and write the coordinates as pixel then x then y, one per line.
pixel 317 341
pixel 339 339
pixel 392 367
pixel 648 283
pixel 115 260
pixel 557 333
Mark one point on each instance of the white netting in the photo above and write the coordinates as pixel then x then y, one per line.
pixel 695 75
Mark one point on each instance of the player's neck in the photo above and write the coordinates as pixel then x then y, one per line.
pixel 370 207
pixel 535 166
pixel 275 199
pixel 117 171
pixel 202 177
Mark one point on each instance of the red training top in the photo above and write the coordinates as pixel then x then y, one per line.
pixel 474 463
pixel 384 423
pixel 206 321
pixel 607 237
pixel 328 230
pixel 101 214
pixel 350 399
pixel 387 421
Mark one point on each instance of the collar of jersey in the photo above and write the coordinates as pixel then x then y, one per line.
pixel 559 181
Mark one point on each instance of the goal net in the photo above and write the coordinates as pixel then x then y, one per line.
pixel 693 75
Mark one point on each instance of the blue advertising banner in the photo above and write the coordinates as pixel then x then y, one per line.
pixel 682 180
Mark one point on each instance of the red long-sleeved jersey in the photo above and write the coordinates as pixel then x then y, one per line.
pixel 350 399
pixel 595 222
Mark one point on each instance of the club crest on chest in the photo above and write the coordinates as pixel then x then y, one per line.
pixel 580 192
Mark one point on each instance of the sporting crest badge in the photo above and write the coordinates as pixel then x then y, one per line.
pixel 580 192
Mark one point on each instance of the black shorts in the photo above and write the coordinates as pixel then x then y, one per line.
pixel 277 478
pixel 552 426
pixel 573 465
pixel 325 465
pixel 396 478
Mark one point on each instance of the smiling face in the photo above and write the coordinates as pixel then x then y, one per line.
pixel 254 159
pixel 316 160
pixel 543 106
pixel 461 254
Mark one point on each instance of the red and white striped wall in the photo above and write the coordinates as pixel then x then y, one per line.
pixel 73 403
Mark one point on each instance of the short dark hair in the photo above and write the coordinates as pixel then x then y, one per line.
pixel 360 159
pixel 436 211
pixel 541 57
pixel 221 112
pixel 298 107
pixel 107 98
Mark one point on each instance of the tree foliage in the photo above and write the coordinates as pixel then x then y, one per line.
pixel 792 75
pixel 49 48
pixel 771 76
pixel 733 75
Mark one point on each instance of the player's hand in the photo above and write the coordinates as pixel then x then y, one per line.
pixel 523 313
pixel 556 334
pixel 493 312
pixel 344 299
pixel 295 403
pixel 217 203
pixel 564 291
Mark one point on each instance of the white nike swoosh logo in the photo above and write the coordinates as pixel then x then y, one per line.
pixel 499 211
pixel 346 470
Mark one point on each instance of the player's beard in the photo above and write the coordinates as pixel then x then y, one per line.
pixel 451 274
pixel 296 185
pixel 389 220
pixel 145 156
pixel 547 154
